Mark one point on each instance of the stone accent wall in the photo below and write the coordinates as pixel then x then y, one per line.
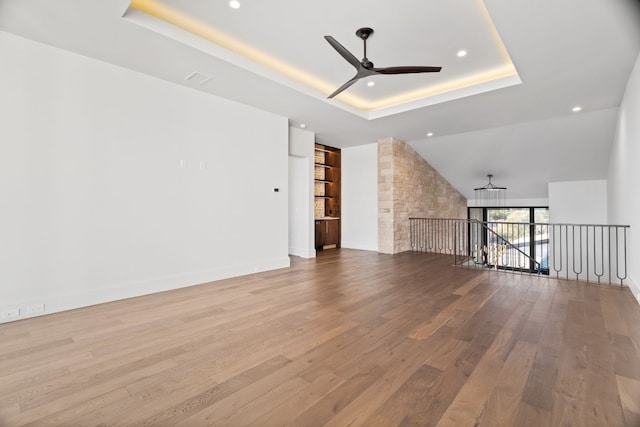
pixel 408 186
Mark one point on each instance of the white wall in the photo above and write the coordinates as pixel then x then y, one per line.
pixel 578 202
pixel 520 203
pixel 624 174
pixel 116 184
pixel 584 203
pixel 360 197
pixel 301 226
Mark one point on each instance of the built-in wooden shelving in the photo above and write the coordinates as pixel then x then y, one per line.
pixel 327 177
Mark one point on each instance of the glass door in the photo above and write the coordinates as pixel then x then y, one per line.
pixel 541 238
pixel 510 238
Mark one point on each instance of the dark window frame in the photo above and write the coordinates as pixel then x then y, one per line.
pixel 532 241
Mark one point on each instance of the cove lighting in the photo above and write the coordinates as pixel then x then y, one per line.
pixel 502 74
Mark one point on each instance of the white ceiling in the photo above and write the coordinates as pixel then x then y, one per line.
pixel 297 55
pixel 565 53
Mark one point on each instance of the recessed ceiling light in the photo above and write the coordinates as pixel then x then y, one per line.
pixel 430 134
pixel 234 4
pixel 576 109
pixel 371 84
pixel 303 125
pixel 461 53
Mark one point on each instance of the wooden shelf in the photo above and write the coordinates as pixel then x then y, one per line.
pixel 327 174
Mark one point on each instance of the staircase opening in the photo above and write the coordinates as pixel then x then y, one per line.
pixel 584 252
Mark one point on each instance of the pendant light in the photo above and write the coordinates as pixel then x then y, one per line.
pixel 490 195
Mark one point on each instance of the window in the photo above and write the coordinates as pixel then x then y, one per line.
pixel 512 238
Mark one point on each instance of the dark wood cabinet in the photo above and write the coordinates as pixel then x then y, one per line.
pixel 327 234
pixel 320 233
pixel 332 229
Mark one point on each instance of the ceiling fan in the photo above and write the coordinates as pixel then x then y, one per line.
pixel 365 67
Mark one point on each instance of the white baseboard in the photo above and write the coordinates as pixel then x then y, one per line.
pixel 635 289
pixel 302 252
pixel 363 246
pixel 71 301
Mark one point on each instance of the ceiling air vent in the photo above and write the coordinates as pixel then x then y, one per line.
pixel 198 78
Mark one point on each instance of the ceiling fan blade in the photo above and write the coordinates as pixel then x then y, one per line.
pixel 344 86
pixel 344 52
pixel 407 70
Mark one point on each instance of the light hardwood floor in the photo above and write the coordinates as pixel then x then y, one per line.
pixel 350 338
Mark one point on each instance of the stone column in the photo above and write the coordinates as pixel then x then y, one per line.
pixel 385 195
pixel 408 186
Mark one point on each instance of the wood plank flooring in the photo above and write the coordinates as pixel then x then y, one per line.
pixel 352 338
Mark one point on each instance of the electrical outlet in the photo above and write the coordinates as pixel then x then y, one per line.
pixel 11 313
pixel 35 309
